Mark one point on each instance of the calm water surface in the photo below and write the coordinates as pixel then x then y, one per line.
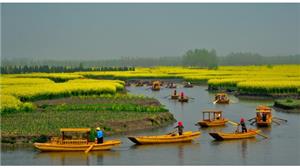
pixel 282 148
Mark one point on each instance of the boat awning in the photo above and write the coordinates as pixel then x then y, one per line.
pixel 75 130
pixel 212 111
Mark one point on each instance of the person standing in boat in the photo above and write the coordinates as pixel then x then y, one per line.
pixel 175 92
pixel 181 95
pixel 180 128
pixel 243 125
pixel 99 135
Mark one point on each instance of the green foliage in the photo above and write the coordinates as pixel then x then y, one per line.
pixel 200 57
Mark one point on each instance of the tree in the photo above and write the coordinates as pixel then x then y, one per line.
pixel 200 57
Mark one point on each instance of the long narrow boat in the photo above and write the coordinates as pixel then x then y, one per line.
pixel 237 135
pixel 79 144
pixel 185 137
pixel 73 145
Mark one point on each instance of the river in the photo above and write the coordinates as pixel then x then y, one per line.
pixel 281 148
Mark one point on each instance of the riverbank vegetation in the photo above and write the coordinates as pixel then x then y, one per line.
pixel 114 114
pixel 291 105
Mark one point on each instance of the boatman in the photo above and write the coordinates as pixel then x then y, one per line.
pixel 243 125
pixel 175 92
pixel 180 128
pixel 99 135
pixel 182 95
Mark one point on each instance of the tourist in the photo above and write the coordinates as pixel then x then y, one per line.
pixel 99 135
pixel 243 125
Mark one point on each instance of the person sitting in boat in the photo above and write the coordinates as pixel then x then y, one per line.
pixel 99 135
pixel 264 117
pixel 218 116
pixel 180 128
pixel 175 92
pixel 243 125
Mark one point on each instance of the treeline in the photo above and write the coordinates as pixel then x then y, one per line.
pixel 249 58
pixel 196 57
pixel 18 69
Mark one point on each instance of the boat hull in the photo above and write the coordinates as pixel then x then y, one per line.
pixel 183 100
pixel 107 145
pixel 222 101
pixel 231 136
pixel 213 123
pixel 186 137
pixel 174 96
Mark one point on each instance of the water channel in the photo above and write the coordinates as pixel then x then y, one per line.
pixel 281 148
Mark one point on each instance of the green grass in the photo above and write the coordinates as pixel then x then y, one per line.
pixel 288 103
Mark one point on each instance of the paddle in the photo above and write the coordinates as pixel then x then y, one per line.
pixel 166 97
pixel 252 118
pixel 233 123
pixel 215 101
pixel 172 132
pixel 88 149
pixel 276 122
pixel 265 136
pixel 280 119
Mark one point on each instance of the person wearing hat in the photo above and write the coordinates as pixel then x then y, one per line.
pixel 242 123
pixel 99 136
pixel 180 128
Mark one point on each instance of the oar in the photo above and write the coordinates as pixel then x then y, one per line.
pixel 172 132
pixel 276 122
pixel 253 122
pixel 252 118
pixel 215 101
pixel 233 123
pixel 280 119
pixel 265 136
pixel 166 96
pixel 88 149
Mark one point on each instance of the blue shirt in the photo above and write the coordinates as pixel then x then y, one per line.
pixel 99 134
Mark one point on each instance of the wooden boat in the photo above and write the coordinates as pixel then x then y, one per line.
pixel 221 98
pixel 172 138
pixel 155 86
pixel 184 99
pixel 81 144
pixel 188 85
pixel 236 135
pixel 174 96
pixel 263 116
pixel 212 118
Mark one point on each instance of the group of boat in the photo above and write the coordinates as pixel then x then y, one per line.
pixel 211 118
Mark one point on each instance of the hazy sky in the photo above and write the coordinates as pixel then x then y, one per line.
pixel 101 31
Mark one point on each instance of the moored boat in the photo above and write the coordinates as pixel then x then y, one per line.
pixel 80 144
pixel 212 118
pixel 236 135
pixel 169 138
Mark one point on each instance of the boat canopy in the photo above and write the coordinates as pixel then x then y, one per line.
pixel 263 109
pixel 75 130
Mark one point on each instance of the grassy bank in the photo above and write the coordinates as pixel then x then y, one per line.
pixel 112 113
pixel 288 104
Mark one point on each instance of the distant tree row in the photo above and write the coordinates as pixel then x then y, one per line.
pixel 196 57
pixel 14 69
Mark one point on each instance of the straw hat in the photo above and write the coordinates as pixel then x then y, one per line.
pixel 98 128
